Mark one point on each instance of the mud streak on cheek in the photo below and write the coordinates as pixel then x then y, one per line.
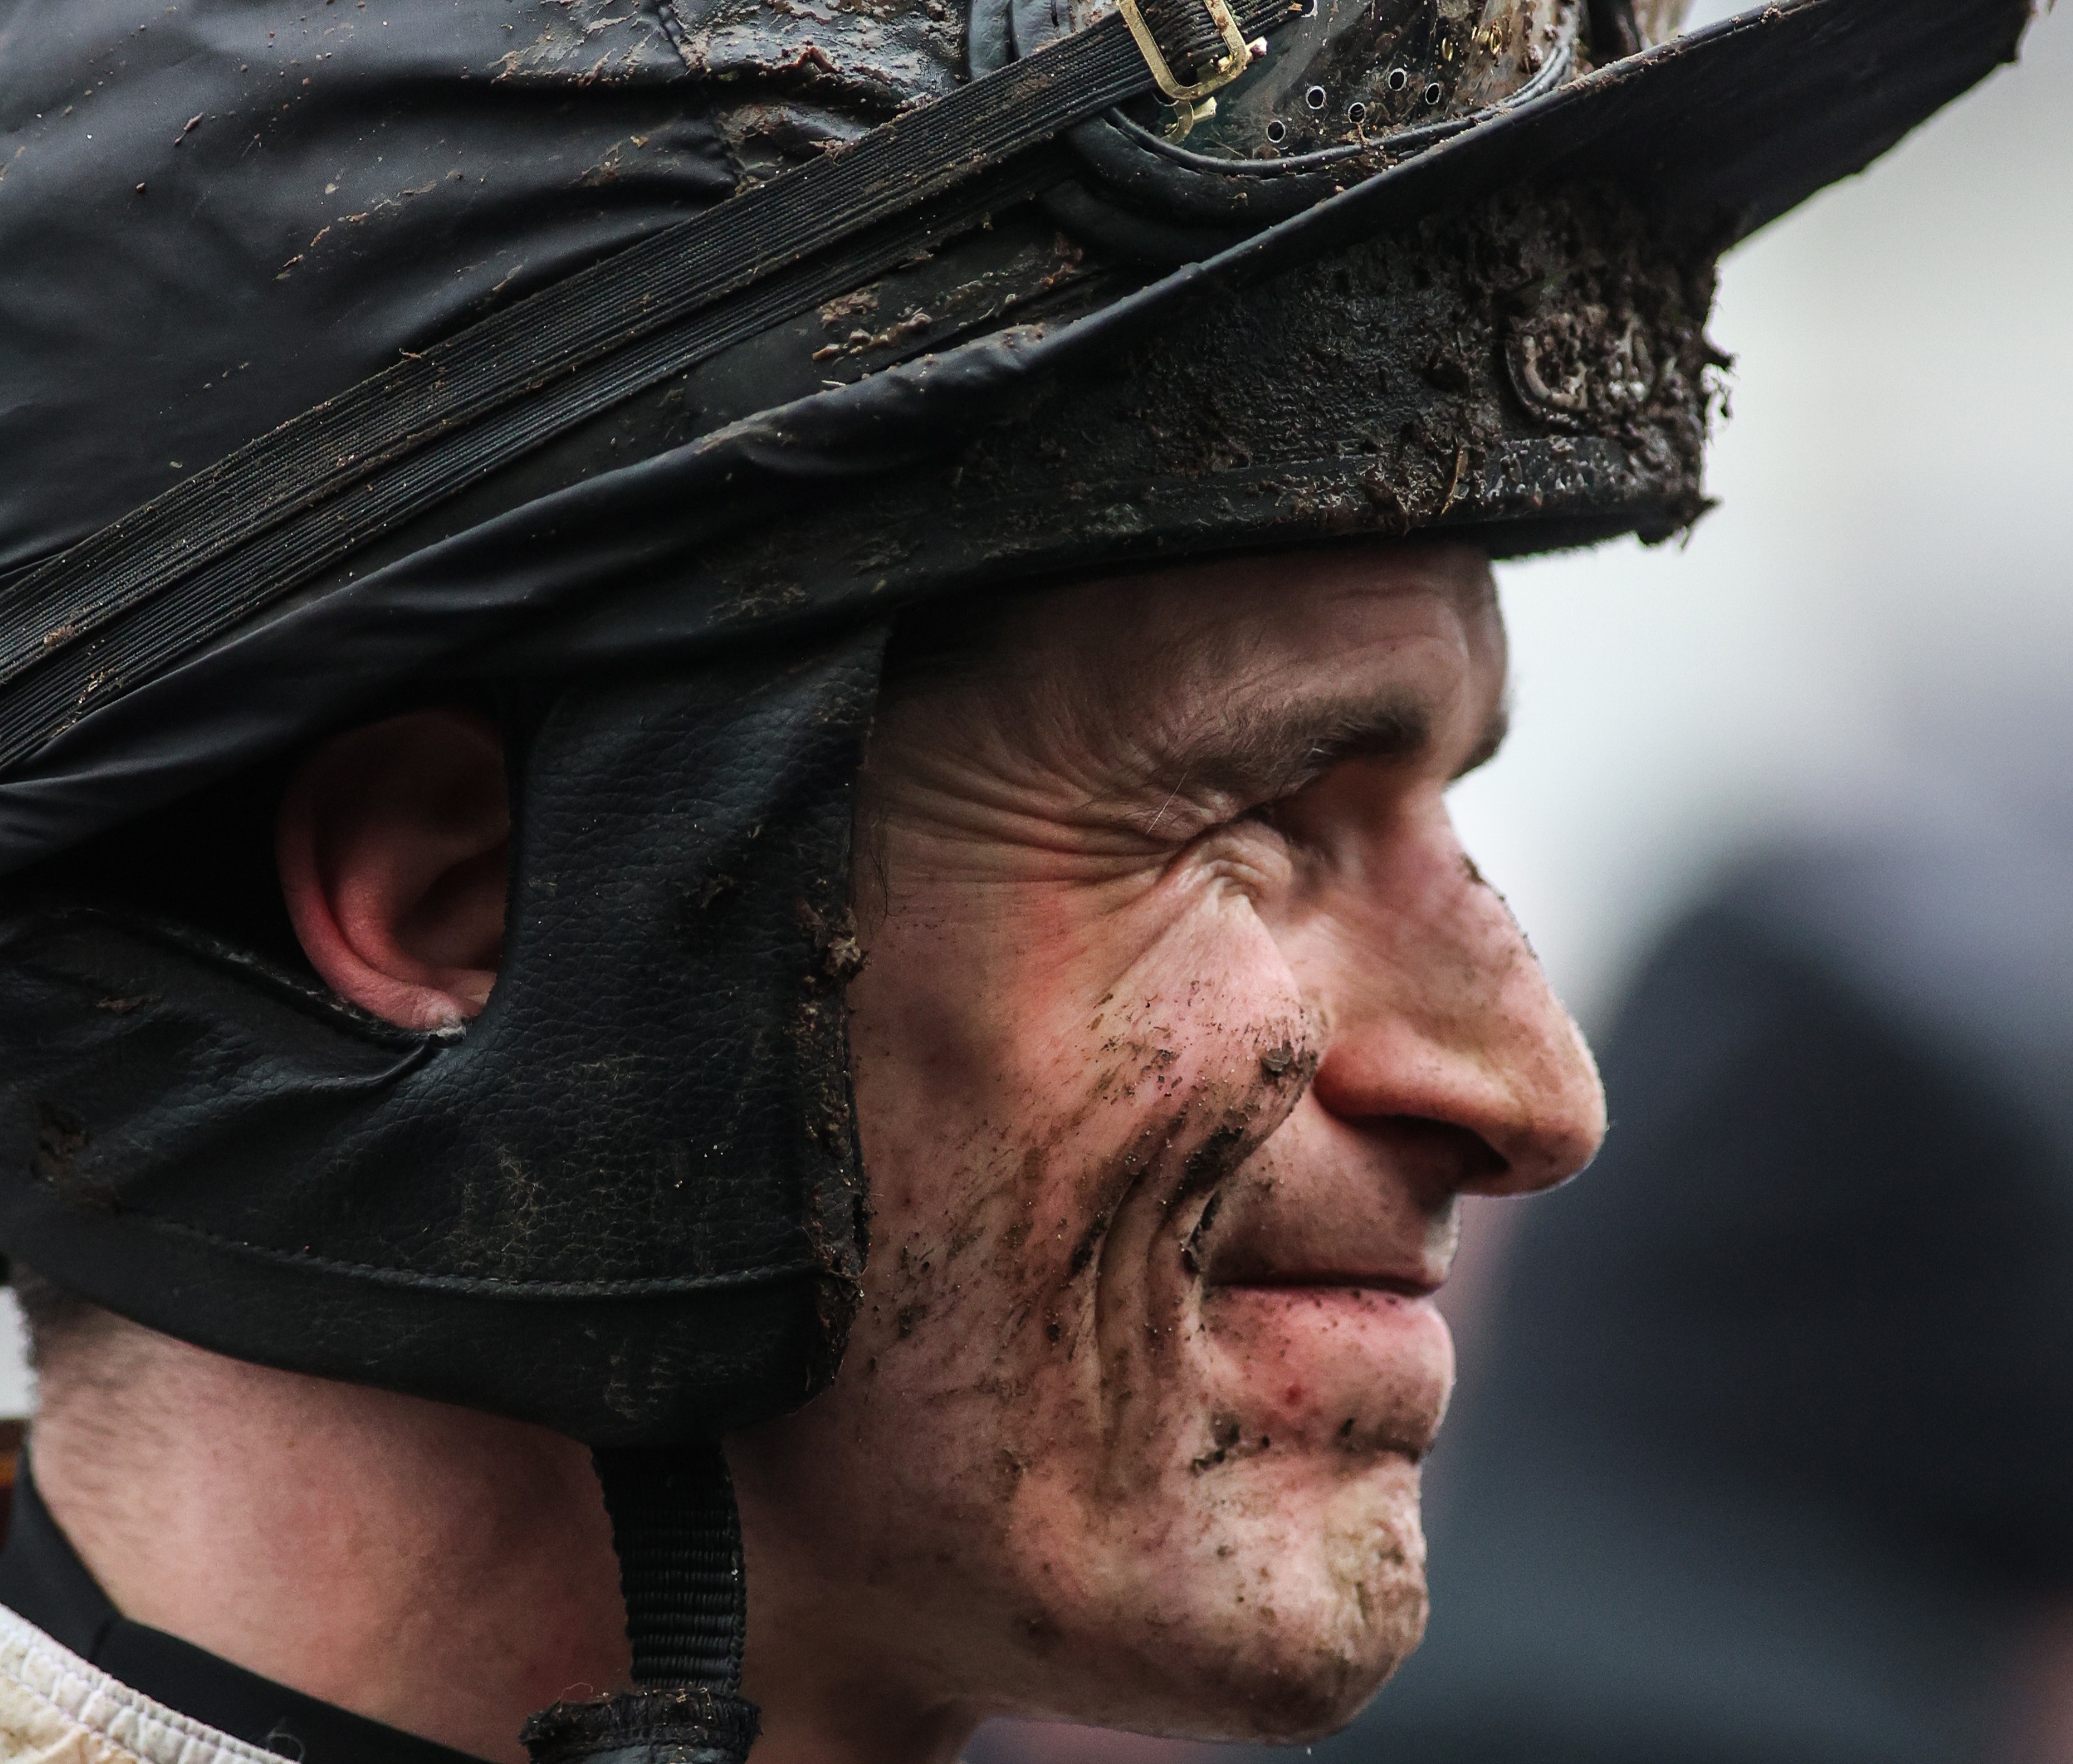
pixel 1143 1289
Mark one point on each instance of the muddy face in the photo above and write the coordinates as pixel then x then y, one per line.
pixel 1184 1024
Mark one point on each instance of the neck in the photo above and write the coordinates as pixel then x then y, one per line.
pixel 813 1717
pixel 839 1658
pixel 444 1572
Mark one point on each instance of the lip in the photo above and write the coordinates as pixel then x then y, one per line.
pixel 1363 1364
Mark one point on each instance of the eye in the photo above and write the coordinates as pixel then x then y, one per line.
pixel 1249 850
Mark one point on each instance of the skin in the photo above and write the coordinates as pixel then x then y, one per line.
pixel 444 1572
pixel 1184 1024
pixel 1130 1424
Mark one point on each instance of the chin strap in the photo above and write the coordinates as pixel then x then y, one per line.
pixel 678 1538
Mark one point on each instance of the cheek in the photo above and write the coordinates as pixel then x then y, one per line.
pixel 1038 1415
pixel 1004 1062
pixel 1019 1078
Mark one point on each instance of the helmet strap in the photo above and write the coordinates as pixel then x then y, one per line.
pixel 677 1533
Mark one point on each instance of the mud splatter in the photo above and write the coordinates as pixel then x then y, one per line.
pixel 586 41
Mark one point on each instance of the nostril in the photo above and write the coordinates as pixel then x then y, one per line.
pixel 1459 1156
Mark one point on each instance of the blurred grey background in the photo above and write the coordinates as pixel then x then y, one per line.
pixel 1882 604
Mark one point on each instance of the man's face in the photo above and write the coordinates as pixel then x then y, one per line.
pixel 1186 1021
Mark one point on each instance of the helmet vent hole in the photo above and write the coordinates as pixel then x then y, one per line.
pixel 1315 97
pixel 1398 79
pixel 1356 112
pixel 1277 131
pixel 1433 94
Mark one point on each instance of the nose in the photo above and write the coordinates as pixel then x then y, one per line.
pixel 1433 1008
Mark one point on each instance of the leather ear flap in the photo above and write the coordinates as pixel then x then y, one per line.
pixel 393 842
pixel 627 1203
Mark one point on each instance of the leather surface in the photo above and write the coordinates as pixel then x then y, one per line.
pixel 625 1202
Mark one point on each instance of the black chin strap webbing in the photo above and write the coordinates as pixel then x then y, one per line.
pixel 679 1542
pixel 678 1537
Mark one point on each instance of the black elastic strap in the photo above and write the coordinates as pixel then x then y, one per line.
pixel 307 540
pixel 331 479
pixel 679 1541
pixel 679 1536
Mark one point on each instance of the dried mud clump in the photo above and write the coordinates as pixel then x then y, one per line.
pixel 1450 373
pixel 1602 334
pixel 1534 314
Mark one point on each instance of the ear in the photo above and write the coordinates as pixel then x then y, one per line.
pixel 394 843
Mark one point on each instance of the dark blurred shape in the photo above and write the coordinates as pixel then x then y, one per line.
pixel 1771 1460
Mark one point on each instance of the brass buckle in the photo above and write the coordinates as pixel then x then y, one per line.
pixel 1237 58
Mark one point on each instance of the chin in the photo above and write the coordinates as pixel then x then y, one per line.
pixel 1290 1695
pixel 1301 1588
pixel 1349 1606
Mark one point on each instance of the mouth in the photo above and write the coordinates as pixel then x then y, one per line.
pixel 1323 1253
pixel 1324 1323
pixel 1287 1224
pixel 1303 1291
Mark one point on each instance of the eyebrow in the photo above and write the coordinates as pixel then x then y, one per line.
pixel 1262 755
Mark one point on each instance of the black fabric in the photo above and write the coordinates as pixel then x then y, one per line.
pixel 230 539
pixel 42 1579
pixel 1769 1461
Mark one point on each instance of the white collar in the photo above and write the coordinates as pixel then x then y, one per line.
pixel 55 1708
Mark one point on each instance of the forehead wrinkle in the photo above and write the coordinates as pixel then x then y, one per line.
pixel 1114 722
pixel 1276 749
pixel 1136 718
pixel 1255 753
pixel 1218 705
pixel 1214 719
